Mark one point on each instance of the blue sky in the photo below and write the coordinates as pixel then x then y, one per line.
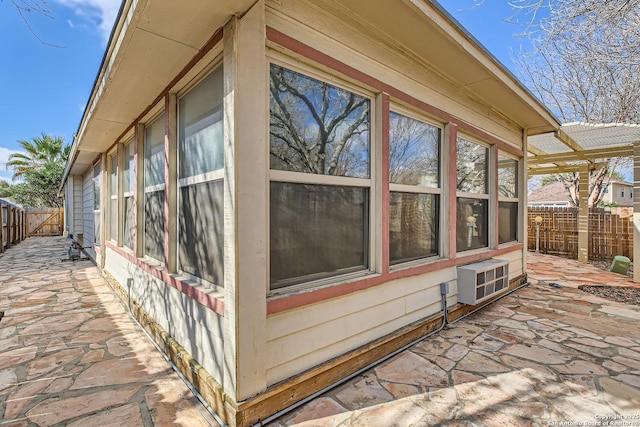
pixel 45 88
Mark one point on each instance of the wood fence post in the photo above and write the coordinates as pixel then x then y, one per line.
pixel 9 225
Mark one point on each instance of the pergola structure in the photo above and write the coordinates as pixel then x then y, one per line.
pixel 582 147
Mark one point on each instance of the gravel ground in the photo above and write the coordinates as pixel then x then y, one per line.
pixel 625 295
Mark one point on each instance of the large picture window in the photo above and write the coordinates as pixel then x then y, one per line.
pixel 128 228
pixel 113 197
pixel 154 182
pixel 472 222
pixel 414 175
pixel 200 180
pixel 507 199
pixel 320 179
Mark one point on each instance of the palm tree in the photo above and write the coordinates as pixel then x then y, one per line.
pixel 40 153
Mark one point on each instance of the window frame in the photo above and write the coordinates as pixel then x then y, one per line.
pixel 516 199
pixel 439 191
pixel 179 183
pixel 489 196
pixel 374 240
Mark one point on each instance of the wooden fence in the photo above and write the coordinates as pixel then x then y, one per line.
pixel 12 224
pixel 44 222
pixel 610 232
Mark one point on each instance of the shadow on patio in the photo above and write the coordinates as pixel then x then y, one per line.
pixel 70 354
pixel 548 353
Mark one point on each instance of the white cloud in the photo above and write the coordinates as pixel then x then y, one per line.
pixel 100 13
pixel 5 174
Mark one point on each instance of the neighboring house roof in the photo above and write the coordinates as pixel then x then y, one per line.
pixel 552 193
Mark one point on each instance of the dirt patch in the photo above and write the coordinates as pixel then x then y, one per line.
pixel 624 294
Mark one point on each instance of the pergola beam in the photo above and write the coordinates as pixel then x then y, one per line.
pixel 600 153
pixel 535 150
pixel 567 140
pixel 562 169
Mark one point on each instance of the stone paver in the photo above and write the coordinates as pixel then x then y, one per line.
pixel 541 356
pixel 71 355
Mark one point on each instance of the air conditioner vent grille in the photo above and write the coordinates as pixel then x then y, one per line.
pixel 482 280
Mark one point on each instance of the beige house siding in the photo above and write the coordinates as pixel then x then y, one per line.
pixel 301 338
pixel 73 205
pixel 248 333
pixel 87 211
pixel 195 327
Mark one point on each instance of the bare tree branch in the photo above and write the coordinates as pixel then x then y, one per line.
pixel 41 7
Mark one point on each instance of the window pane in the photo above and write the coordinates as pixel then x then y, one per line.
pixel 127 173
pixel 413 228
pixel 414 152
pixel 154 175
pixel 154 154
pixel 472 164
pixel 97 181
pixel 96 228
pixel 507 222
pixel 507 176
pixel 317 128
pixel 317 231
pixel 154 225
pixel 471 224
pixel 113 218
pixel 200 246
pixel 128 231
pixel 200 128
pixel 113 175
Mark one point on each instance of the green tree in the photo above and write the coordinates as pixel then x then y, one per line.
pixel 5 189
pixel 41 152
pixel 39 188
pixel 40 169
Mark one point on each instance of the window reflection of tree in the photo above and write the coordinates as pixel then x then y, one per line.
pixel 472 163
pixel 413 152
pixel 508 202
pixel 414 148
pixel 317 128
pixel 472 209
pixel 507 176
pixel 318 228
pixel 154 198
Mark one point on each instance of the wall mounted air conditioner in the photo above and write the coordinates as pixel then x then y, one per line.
pixel 482 280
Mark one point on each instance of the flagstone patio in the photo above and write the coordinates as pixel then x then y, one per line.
pixel 548 353
pixel 70 354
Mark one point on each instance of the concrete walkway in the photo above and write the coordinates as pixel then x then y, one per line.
pixel 71 355
pixel 542 356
